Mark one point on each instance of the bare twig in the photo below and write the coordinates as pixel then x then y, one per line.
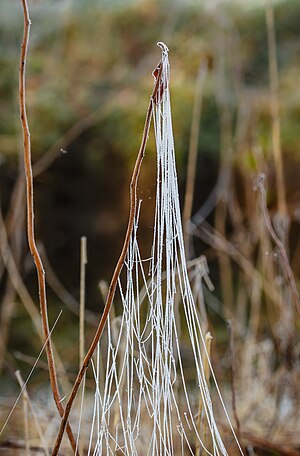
pixel 265 444
pixel 30 220
pixel 274 85
pixel 28 377
pixel 25 412
pixel 21 290
pixel 83 262
pixel 7 311
pixel 233 376
pixel 259 185
pixel 213 238
pixel 35 418
pixel 202 425
pixel 192 157
pixel 120 263
pixel 61 292
pixel 9 298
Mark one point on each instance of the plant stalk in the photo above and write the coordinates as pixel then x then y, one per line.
pixel 120 263
pixel 30 220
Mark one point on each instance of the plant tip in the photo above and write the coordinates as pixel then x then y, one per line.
pixel 163 47
pixel 259 182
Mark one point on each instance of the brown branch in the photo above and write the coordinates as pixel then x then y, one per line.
pixel 114 281
pixel 30 220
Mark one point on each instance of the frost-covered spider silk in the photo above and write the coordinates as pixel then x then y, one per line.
pixel 145 402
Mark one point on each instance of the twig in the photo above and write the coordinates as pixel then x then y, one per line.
pixel 35 418
pixel 7 311
pixel 271 446
pixel 9 298
pixel 83 262
pixel 61 292
pixel 202 426
pixel 233 376
pixel 30 220
pixel 28 377
pixel 14 220
pixel 192 157
pixel 25 412
pixel 21 290
pixel 120 263
pixel 259 185
pixel 215 240
pixel 274 85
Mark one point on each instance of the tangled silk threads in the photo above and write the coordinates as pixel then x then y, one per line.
pixel 144 405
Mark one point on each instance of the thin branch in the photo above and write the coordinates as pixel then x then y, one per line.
pixel 83 262
pixel 112 288
pixel 233 376
pixel 274 86
pixel 29 305
pixel 25 412
pixel 30 220
pixel 259 185
pixel 192 157
pixel 28 377
pixel 214 239
pixel 201 422
pixel 61 292
pixel 9 298
pixel 266 445
pixel 34 415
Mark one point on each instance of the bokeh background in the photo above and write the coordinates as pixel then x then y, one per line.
pixel 89 78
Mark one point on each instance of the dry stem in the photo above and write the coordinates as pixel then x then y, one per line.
pixel 25 413
pixel 35 418
pixel 119 265
pixel 202 425
pixel 192 158
pixel 233 376
pixel 274 84
pixel 286 265
pixel 83 262
pixel 30 220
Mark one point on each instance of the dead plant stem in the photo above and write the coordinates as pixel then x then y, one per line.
pixel 34 415
pixel 274 85
pixel 192 157
pixel 233 376
pixel 119 265
pixel 30 220
pixel 25 412
pixel 83 262
pixel 202 423
pixel 286 265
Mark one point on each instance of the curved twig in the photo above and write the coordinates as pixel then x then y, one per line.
pixel 259 185
pixel 30 221
pixel 113 284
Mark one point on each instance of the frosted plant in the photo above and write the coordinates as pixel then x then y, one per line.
pixel 143 403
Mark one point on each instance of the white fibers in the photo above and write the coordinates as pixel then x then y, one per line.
pixel 144 405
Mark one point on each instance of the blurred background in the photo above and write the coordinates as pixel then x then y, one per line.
pixel 236 101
